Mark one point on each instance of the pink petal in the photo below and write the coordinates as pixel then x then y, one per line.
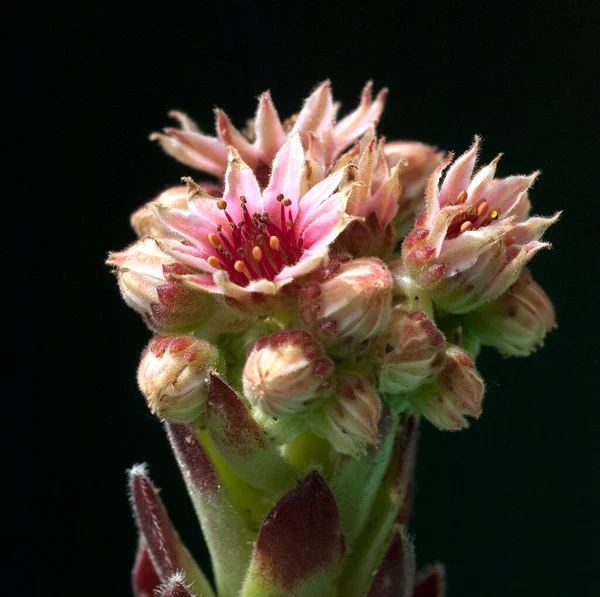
pixel 270 135
pixel 504 195
pixel 210 148
pixel 185 122
pixel 240 180
pixel 285 177
pixel 232 137
pixel 316 114
pixel 357 122
pixel 458 176
pixel 311 201
pixel 186 154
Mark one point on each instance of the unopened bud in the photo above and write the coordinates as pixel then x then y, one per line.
pixel 456 392
pixel 285 373
pixel 351 306
pixel 410 353
pixel 148 284
pixel 517 322
pixel 350 417
pixel 173 375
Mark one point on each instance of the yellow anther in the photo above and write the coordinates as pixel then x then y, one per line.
pixel 239 266
pixel 222 204
pixel 494 215
pixel 214 240
pixel 214 262
pixel 257 253
pixel 274 243
pixel 466 226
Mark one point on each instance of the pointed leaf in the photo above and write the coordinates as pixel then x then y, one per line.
pixel 395 576
pixel 431 582
pixel 229 540
pixel 242 443
pixel 355 481
pixel 386 511
pixel 164 547
pixel 300 546
pixel 144 579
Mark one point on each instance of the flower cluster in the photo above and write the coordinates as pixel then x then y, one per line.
pixel 316 298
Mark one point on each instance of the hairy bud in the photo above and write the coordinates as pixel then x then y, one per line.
pixel 456 392
pixel 517 322
pixel 285 372
pixel 148 283
pixel 352 305
pixel 173 376
pixel 349 419
pixel 410 352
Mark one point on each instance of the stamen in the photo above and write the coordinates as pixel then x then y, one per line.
pixel 461 198
pixel 494 215
pixel 239 267
pixel 232 226
pixel 214 262
pixel 287 202
pixel 243 199
pixel 289 224
pixel 482 208
pixel 274 243
pixel 222 204
pixel 471 212
pixel 228 255
pixel 257 253
pixel 280 197
pixel 214 240
pixel 466 226
pixel 219 228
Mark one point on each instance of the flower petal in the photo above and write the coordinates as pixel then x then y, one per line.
pixel 270 135
pixel 316 114
pixel 458 176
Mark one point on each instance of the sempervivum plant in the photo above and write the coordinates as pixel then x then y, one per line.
pixel 301 337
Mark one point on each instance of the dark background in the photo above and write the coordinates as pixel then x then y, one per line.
pixel 509 505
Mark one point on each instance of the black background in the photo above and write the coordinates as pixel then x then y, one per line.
pixel 508 505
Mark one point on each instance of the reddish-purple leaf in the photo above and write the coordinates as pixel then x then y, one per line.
pixel 143 577
pixel 395 576
pixel 300 545
pixel 242 443
pixel 431 582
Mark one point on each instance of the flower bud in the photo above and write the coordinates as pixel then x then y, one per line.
pixel 517 322
pixel 352 305
pixel 173 376
pixel 350 418
pixel 148 283
pixel 410 352
pixel 456 392
pixel 285 372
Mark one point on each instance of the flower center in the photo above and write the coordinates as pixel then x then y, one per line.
pixel 472 218
pixel 255 247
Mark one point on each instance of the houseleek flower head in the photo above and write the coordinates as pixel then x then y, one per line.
pixel 324 292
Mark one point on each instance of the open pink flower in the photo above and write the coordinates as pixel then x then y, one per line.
pixel 267 133
pixel 474 236
pixel 251 243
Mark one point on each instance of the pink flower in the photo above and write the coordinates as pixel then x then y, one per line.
pixel 252 242
pixel 418 162
pixel 268 134
pixel 473 238
pixel 373 200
